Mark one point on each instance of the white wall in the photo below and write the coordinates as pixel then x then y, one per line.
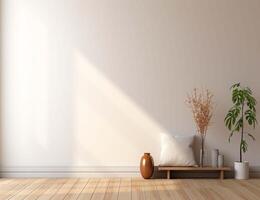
pixel 93 83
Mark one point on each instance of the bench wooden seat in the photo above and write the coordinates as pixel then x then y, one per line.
pixel 168 169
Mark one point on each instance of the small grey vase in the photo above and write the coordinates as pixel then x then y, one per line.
pixel 214 157
pixel 220 160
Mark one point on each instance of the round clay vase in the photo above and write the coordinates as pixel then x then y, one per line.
pixel 146 166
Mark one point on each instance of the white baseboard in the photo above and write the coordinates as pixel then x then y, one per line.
pixel 61 171
pixel 85 171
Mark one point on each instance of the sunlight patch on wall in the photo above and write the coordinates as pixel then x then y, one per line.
pixel 27 57
pixel 106 118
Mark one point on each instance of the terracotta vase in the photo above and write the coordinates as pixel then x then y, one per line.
pixel 146 166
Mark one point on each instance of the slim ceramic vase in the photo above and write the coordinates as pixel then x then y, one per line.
pixel 214 157
pixel 220 161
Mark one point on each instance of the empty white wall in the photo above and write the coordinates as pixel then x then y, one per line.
pixel 93 83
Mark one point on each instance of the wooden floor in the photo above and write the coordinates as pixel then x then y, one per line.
pixel 128 188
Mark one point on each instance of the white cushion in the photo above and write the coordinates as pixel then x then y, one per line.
pixel 176 150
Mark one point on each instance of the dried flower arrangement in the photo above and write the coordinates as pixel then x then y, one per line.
pixel 201 104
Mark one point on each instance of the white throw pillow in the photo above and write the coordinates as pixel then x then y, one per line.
pixel 176 150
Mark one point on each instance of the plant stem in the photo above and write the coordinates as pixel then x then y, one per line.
pixel 202 151
pixel 242 132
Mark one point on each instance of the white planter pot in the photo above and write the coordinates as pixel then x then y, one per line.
pixel 241 170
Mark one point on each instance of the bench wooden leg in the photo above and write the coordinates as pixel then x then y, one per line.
pixel 168 174
pixel 221 174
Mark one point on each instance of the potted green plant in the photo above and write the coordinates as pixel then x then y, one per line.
pixel 242 112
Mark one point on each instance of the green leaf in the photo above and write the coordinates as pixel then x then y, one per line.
pixel 251 102
pixel 243 146
pixel 250 117
pixel 236 96
pixel 250 135
pixel 235 85
pixel 248 90
pixel 231 117
pixel 238 125
pixel 231 134
pixel 228 123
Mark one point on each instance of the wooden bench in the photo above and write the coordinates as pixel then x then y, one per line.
pixel 221 170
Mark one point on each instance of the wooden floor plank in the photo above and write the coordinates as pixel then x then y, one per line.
pixel 101 189
pixel 251 187
pixel 4 181
pixel 27 190
pixel 138 192
pixel 76 190
pixel 255 182
pixel 64 190
pixel 88 191
pixel 240 190
pixel 8 192
pixel 204 189
pixel 36 193
pixel 112 189
pixel 162 189
pixel 51 191
pixel 173 187
pixel 193 191
pixel 10 186
pixel 125 189
pixel 150 189
pixel 216 187
pixel 128 189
